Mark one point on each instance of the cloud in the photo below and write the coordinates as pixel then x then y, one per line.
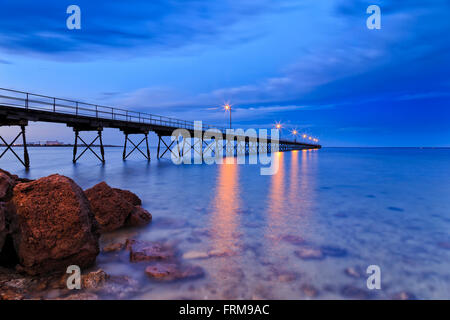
pixel 118 25
pixel 423 95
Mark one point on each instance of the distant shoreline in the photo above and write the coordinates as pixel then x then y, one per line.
pixel 59 146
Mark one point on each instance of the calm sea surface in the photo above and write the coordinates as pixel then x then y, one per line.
pixel 357 207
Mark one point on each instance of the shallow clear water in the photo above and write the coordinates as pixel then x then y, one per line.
pixel 360 207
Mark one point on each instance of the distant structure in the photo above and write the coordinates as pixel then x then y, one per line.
pixel 54 143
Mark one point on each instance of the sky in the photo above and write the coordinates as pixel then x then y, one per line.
pixel 312 65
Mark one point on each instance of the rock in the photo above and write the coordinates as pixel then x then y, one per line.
pixel 195 255
pixel 353 272
pixel 3 231
pixel 55 226
pixel 147 251
pixel 109 207
pixel 11 295
pixel 170 272
pixel 19 283
pixel 81 296
pixel 404 296
pixel 129 196
pixel 287 277
pixel 354 292
pixel 309 253
pixel 309 290
pixel 139 217
pixel 120 287
pixel 7 184
pixel 444 245
pixel 114 247
pixel 94 280
pixel 221 253
pixel 295 240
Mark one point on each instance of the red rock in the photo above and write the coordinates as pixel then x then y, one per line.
pixel 444 245
pixel 11 295
pixel 120 287
pixel 309 290
pixel 403 295
pixel 139 217
pixel 94 280
pixel 309 253
pixel 352 292
pixel 170 271
pixel 296 240
pixel 129 196
pixel 110 208
pixel 80 296
pixel 114 247
pixel 354 272
pixel 3 231
pixel 148 251
pixel 55 226
pixel 7 184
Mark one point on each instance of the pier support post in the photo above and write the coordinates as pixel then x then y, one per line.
pixel 9 146
pixel 168 147
pixel 88 146
pixel 159 143
pixel 136 146
pixel 26 157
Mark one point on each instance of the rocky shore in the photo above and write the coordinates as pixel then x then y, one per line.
pixel 49 224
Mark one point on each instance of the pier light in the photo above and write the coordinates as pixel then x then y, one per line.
pixel 294 133
pixel 310 138
pixel 227 107
pixel 304 136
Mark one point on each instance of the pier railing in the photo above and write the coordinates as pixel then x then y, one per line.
pixel 27 100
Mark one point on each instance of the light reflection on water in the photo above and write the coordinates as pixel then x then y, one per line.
pixel 388 207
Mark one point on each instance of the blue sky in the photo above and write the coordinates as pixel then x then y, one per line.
pixel 311 65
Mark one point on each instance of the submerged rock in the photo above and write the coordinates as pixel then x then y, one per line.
pixel 148 251
pixel 94 280
pixel 171 271
pixel 295 240
pixel 11 295
pixel 444 245
pixel 113 247
pixel 354 272
pixel 139 217
pixel 54 225
pixel 195 255
pixel 403 295
pixel 80 296
pixel 352 292
pixel 309 290
pixel 309 253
